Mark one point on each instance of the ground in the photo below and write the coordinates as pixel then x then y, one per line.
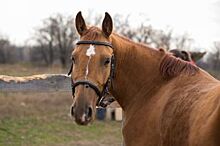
pixel 42 119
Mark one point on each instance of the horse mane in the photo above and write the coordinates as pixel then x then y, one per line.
pixel 172 67
pixel 92 33
pixel 139 44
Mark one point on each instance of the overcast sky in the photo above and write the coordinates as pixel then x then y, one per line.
pixel 200 18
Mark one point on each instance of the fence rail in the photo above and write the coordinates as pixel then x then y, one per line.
pixel 39 83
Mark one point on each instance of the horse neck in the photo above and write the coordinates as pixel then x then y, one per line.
pixel 137 73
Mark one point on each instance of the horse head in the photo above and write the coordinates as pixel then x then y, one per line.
pixel 91 71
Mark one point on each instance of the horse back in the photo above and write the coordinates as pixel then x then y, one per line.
pixel 191 115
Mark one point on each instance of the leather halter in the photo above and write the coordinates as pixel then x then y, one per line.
pixel 87 83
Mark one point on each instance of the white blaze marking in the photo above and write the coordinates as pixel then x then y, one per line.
pixel 83 118
pixel 90 52
pixel 87 68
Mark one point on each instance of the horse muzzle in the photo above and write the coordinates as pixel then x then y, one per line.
pixel 82 116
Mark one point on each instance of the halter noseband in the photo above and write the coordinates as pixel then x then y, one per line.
pixel 86 83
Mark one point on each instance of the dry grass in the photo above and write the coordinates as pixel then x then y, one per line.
pixel 28 69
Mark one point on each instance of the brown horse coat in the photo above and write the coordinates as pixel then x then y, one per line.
pixel 166 101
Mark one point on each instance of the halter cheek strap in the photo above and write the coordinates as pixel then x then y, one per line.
pixel 105 91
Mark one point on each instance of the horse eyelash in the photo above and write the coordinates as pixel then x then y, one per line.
pixel 107 61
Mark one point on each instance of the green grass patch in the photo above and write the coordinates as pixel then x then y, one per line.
pixel 32 131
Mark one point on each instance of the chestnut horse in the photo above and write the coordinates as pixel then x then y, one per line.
pixel 181 54
pixel 165 101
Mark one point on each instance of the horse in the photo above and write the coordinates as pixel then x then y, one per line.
pixel 181 54
pixel 166 101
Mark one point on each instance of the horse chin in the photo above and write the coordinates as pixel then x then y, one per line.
pixel 83 123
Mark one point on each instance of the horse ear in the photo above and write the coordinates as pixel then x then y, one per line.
pixel 186 55
pixel 80 23
pixel 107 25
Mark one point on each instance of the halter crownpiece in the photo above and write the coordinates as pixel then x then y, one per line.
pixel 95 43
pixel 105 91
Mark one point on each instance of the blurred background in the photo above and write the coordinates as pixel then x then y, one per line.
pixel 37 37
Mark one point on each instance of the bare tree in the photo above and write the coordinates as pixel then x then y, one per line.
pixel 214 57
pixel 145 33
pixel 4 44
pixel 45 40
pixel 55 38
pixel 65 35
pixel 8 52
pixel 183 42
pixel 122 26
pixel 161 38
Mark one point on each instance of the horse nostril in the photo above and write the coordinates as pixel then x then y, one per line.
pixel 89 112
pixel 72 111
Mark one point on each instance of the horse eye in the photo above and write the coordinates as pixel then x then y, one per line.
pixel 107 61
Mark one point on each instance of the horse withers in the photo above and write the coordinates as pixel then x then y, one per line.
pixel 166 101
